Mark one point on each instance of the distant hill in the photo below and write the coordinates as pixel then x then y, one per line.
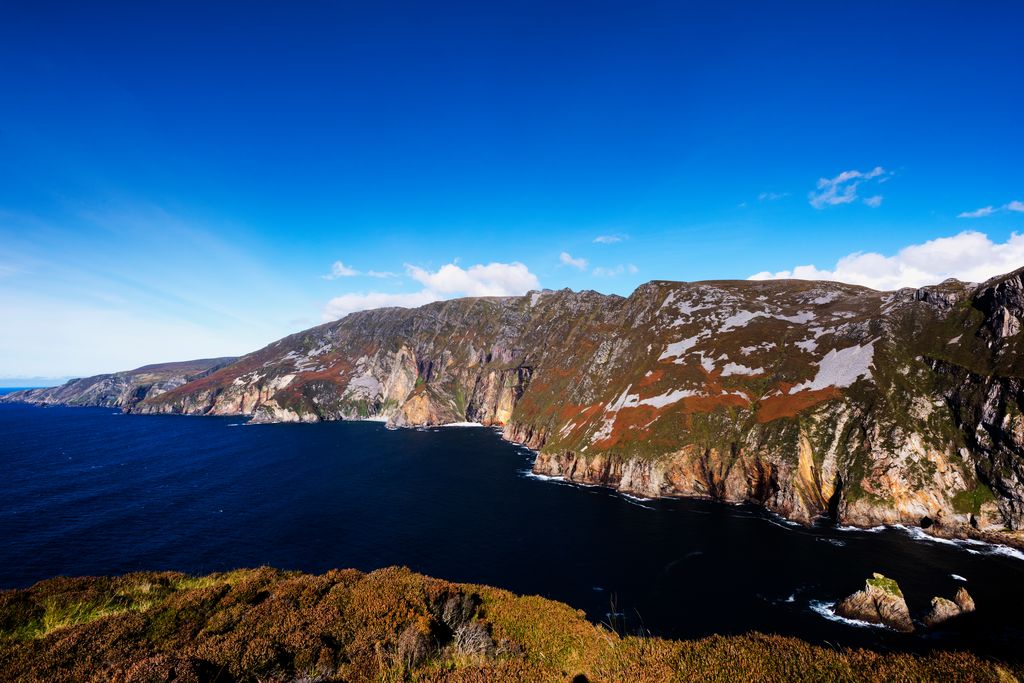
pixel 121 389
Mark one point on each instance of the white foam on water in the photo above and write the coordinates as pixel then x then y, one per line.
pixel 633 496
pixel 530 474
pixel 461 424
pixel 633 500
pixel 775 518
pixel 874 529
pixel 833 541
pixel 979 547
pixel 1006 550
pixel 554 479
pixel 825 609
pixel 630 498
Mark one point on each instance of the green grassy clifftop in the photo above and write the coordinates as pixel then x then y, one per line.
pixel 389 625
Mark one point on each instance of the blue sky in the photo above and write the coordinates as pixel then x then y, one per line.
pixel 178 180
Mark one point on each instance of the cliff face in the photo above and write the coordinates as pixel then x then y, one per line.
pixel 121 389
pixel 810 398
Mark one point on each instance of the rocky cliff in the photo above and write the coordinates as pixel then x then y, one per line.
pixel 814 399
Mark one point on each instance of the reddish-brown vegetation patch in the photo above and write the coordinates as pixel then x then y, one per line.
pixel 788 405
pixel 630 424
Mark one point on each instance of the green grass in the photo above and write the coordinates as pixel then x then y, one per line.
pixel 62 615
pixel 970 501
pixel 886 584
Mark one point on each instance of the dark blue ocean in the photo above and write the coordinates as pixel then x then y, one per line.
pixel 91 491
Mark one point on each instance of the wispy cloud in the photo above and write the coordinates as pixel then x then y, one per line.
pixel 874 202
pixel 984 211
pixel 978 213
pixel 614 271
pixel 450 280
pixel 842 189
pixel 339 269
pixel 771 196
pixel 608 239
pixel 566 259
pixel 100 288
pixel 970 256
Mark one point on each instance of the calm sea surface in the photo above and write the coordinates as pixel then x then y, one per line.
pixel 91 491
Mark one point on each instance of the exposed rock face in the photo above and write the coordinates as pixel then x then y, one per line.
pixel 810 398
pixel 943 610
pixel 881 602
pixel 121 389
pixel 964 600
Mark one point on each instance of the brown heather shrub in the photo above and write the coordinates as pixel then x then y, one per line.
pixel 390 625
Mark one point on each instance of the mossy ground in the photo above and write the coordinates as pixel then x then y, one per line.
pixel 972 500
pixel 389 625
pixel 886 584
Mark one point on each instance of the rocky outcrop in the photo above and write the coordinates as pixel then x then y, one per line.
pixel 943 610
pixel 964 601
pixel 881 602
pixel 814 399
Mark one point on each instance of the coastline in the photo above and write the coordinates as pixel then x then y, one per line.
pixel 998 543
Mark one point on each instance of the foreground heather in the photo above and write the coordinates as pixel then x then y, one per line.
pixel 392 624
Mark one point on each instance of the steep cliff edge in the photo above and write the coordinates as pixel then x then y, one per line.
pixel 814 399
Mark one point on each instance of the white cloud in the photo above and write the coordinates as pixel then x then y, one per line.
pixel 842 189
pixel 1015 205
pixel 381 273
pixel 339 269
pixel 771 196
pixel 494 279
pixel 608 239
pixel 568 260
pixel 978 213
pixel 874 202
pixel 617 270
pixel 340 306
pixel 970 256
pixel 451 280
